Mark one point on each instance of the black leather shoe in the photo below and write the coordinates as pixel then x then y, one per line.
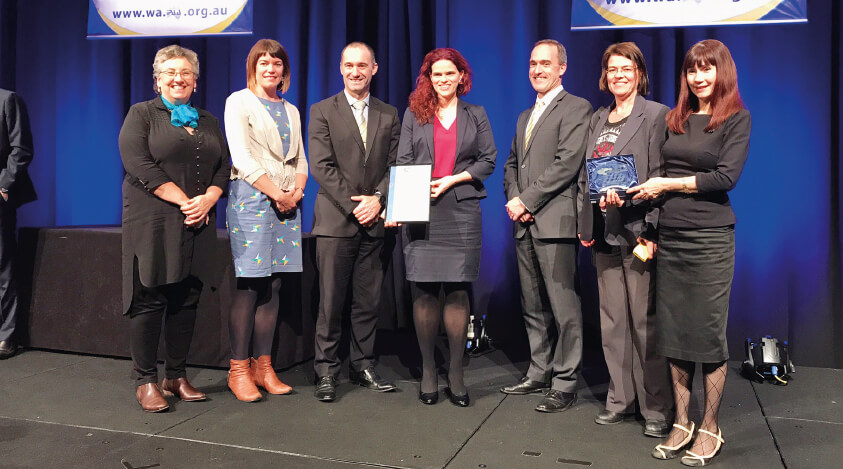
pixel 369 378
pixel 460 400
pixel 656 428
pixel 608 417
pixel 326 389
pixel 525 386
pixel 7 349
pixel 429 398
pixel 557 401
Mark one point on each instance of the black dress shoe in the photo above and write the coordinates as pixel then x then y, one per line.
pixel 656 428
pixel 525 386
pixel 460 400
pixel 429 398
pixel 608 417
pixel 326 389
pixel 557 401
pixel 369 378
pixel 7 349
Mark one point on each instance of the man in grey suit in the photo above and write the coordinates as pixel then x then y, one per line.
pixel 15 189
pixel 352 141
pixel 540 180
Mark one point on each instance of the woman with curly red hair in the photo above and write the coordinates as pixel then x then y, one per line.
pixel 454 136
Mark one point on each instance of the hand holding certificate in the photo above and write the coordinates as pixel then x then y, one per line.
pixel 408 199
pixel 615 172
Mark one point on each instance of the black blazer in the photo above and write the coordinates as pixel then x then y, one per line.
pixel 544 175
pixel 343 168
pixel 642 136
pixel 476 151
pixel 15 149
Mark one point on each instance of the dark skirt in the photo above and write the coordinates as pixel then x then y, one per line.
pixel 695 269
pixel 448 248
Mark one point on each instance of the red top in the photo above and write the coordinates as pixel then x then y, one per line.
pixel 444 148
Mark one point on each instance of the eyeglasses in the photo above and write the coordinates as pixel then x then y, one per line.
pixel 626 71
pixel 185 74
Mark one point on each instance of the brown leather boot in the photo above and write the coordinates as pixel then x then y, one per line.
pixel 240 381
pixel 265 376
pixel 150 398
pixel 182 388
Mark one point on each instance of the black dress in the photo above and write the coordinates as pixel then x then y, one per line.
pixel 154 235
pixel 696 258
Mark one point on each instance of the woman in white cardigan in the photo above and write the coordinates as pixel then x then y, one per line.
pixel 268 175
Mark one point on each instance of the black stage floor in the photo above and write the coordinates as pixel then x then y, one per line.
pixel 60 410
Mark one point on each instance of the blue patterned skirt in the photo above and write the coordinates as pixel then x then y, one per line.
pixel 263 241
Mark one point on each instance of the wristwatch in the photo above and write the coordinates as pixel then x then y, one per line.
pixel 381 198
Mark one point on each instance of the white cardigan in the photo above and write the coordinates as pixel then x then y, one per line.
pixel 255 144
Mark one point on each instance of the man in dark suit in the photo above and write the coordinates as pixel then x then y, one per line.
pixel 541 184
pixel 15 189
pixel 352 140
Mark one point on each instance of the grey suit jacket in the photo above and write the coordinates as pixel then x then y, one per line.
pixel 642 136
pixel 15 149
pixel 476 150
pixel 341 165
pixel 545 174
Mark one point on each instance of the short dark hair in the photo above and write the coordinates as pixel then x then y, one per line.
pixel 633 53
pixel 274 49
pixel 560 49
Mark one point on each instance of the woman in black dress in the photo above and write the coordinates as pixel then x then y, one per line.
pixel 444 255
pixel 703 157
pixel 177 167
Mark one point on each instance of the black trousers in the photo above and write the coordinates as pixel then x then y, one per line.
pixel 174 306
pixel 8 287
pixel 357 263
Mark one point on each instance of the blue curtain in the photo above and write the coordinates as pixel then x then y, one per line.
pixel 788 276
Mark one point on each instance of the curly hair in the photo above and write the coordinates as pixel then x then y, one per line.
pixel 725 98
pixel 173 51
pixel 423 100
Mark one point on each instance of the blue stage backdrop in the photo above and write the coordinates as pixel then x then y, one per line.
pixel 788 201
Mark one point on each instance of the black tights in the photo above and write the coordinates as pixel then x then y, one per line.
pixel 254 312
pixel 427 312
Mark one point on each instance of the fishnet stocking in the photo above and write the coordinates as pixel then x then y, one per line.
pixel 682 374
pixel 715 380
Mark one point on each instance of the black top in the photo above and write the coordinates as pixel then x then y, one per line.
pixel 716 159
pixel 607 137
pixel 155 152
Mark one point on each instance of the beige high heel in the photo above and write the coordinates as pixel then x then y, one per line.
pixel 670 452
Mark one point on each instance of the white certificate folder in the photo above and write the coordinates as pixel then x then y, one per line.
pixel 408 199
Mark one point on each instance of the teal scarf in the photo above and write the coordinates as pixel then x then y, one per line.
pixel 182 114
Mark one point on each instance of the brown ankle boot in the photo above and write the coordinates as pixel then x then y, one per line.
pixel 265 377
pixel 182 388
pixel 150 398
pixel 240 381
